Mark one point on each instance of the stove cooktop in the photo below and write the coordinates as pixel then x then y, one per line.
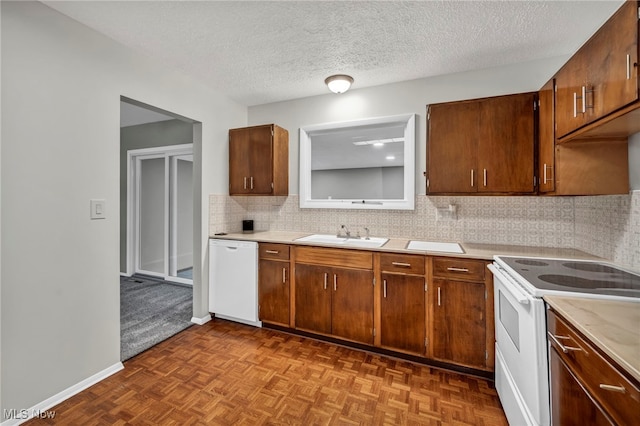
pixel 576 276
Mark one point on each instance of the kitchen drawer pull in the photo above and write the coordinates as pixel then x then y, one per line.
pixel 384 288
pixel 612 388
pixel 405 265
pixel 484 175
pixel 326 277
pixel 564 348
pixel 245 182
pixel 472 178
pixel 284 275
pixel 272 251
pixel 251 182
pixel 438 296
pixel 453 269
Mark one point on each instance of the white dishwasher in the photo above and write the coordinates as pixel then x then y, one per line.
pixel 233 280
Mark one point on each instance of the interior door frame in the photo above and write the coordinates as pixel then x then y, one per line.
pixel 133 181
pixel 173 229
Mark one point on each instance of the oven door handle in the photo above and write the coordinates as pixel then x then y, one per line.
pixel 513 288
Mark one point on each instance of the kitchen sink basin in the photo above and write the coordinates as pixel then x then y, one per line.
pixel 435 246
pixel 343 241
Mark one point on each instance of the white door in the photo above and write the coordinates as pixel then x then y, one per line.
pixel 161 200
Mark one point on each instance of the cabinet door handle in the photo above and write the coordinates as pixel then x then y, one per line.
pixel 245 182
pixel 404 265
pixel 584 99
pixel 272 251
pixel 546 177
pixel 384 288
pixel 628 67
pixel 485 177
pixel 472 178
pixel 556 340
pixel 575 104
pixel 439 304
pixel 284 275
pixel 251 182
pixel 326 277
pixel 335 282
pixel 451 268
pixel 612 388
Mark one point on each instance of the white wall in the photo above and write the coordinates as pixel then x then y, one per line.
pixel 400 98
pixel 61 88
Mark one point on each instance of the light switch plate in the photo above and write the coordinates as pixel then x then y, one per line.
pixel 98 209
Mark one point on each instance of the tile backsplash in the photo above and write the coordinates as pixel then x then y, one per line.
pixel 606 226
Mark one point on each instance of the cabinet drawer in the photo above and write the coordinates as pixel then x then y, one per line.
pixel 334 257
pixel 461 269
pixel 402 263
pixel 274 251
pixel 614 392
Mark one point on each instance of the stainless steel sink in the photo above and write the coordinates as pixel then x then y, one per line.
pixel 343 241
pixel 435 246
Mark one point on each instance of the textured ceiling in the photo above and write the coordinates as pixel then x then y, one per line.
pixel 267 51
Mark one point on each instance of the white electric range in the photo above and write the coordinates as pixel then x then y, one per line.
pixel 521 368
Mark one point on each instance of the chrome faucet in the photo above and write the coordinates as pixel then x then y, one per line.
pixel 347 233
pixel 366 230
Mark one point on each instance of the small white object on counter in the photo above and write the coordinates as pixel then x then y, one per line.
pixel 435 246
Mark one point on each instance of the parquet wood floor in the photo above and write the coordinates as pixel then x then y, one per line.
pixel 223 373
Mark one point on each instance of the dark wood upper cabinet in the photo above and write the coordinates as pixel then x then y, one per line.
pixel 259 160
pixel 601 80
pixel 482 146
pixel 506 145
pixel 452 147
pixel 546 138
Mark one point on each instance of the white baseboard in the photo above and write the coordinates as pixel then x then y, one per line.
pixel 40 409
pixel 201 321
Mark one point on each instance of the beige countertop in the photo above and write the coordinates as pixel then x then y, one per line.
pixel 399 245
pixel 611 325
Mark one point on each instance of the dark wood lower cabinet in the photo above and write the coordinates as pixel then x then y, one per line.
pixel 313 298
pixel 571 405
pixel 459 322
pixel 336 301
pixel 413 306
pixel 352 305
pixel 402 311
pixel 273 291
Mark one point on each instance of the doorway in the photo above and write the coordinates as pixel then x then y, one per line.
pixel 160 224
pixel 160 183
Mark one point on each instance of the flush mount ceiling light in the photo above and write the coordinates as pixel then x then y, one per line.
pixel 338 83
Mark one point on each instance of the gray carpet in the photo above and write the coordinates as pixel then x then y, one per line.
pixel 150 312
